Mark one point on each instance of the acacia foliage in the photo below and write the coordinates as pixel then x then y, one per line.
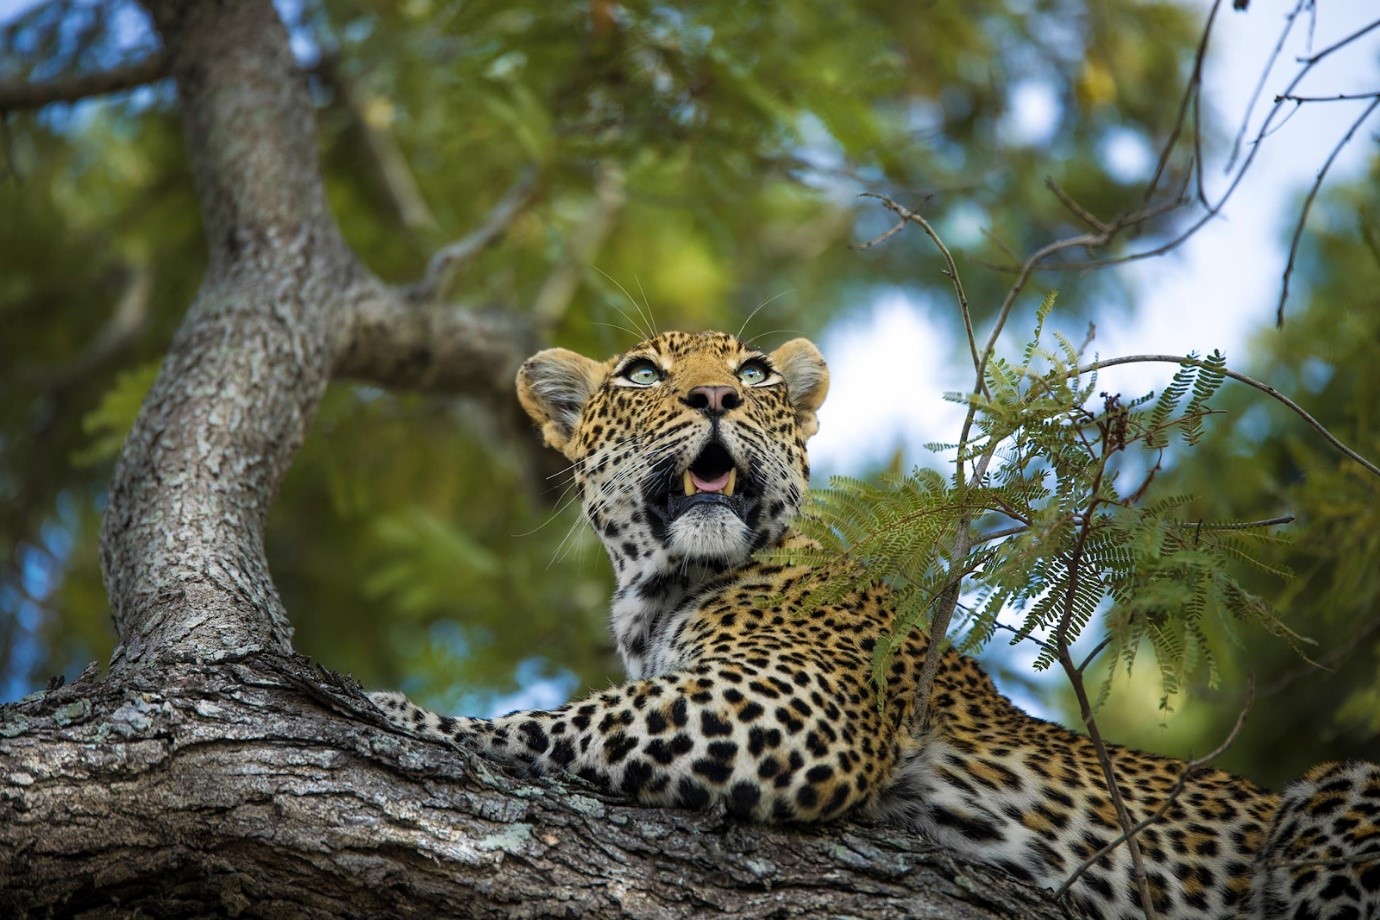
pixel 1057 486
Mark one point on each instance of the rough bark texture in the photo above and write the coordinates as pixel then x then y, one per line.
pixel 269 789
pixel 214 773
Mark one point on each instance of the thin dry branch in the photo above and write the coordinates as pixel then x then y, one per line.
pixel 1074 208
pixel 1265 388
pixel 1340 97
pixel 1213 527
pixel 384 153
pixel 951 268
pixel 1191 97
pixel 1213 209
pixel 610 194
pixel 963 536
pixel 452 260
pixel 1308 206
pixel 1260 84
pixel 947 601
pixel 127 320
pixel 1193 766
pixel 1075 677
pixel 24 95
pixel 1341 43
pixel 1096 240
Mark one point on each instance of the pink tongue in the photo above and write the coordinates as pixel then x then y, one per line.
pixel 712 485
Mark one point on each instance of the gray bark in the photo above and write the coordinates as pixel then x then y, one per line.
pixel 269 788
pixel 212 772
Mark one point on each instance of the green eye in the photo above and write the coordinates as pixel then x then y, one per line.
pixel 753 373
pixel 643 373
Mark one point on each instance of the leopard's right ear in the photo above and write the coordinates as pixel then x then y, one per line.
pixel 553 386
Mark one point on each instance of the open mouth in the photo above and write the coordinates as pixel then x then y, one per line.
pixel 712 473
pixel 712 478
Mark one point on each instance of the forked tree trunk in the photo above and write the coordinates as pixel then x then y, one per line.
pixel 212 771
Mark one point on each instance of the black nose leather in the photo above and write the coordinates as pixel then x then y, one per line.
pixel 713 400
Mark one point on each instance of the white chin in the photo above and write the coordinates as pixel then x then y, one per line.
pixel 710 533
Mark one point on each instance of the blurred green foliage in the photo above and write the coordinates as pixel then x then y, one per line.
pixel 409 541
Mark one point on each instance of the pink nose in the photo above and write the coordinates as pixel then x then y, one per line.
pixel 713 400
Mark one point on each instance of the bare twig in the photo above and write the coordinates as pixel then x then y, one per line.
pixel 1260 84
pixel 127 320
pixel 383 151
pixel 1341 43
pixel 1092 655
pixel 951 268
pixel 1003 533
pixel 1074 207
pixel 1191 91
pixel 450 261
pixel 1211 210
pixel 1340 97
pixel 881 237
pixel 1075 676
pixel 1240 525
pixel 1294 407
pixel 963 536
pixel 610 194
pixel 1308 206
pixel 16 96
pixel 1189 769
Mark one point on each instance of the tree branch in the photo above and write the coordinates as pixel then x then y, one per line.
pixel 1189 769
pixel 1213 208
pixel 201 790
pixel 1265 388
pixel 384 153
pixel 451 261
pixel 400 343
pixel 1289 19
pixel 610 194
pixel 963 536
pixel 1074 673
pixel 1308 206
pixel 16 96
pixel 120 331
pixel 950 267
pixel 1191 96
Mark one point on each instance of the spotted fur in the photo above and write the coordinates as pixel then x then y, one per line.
pixel 741 693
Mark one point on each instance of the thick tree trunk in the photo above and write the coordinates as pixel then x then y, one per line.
pixel 213 772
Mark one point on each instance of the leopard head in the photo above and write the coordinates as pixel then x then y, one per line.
pixel 688 449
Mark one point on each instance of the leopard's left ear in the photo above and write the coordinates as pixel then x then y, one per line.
pixel 807 380
pixel 553 386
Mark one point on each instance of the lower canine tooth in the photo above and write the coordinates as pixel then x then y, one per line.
pixel 732 481
pixel 689 484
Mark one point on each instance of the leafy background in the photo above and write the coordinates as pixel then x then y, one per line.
pixel 416 542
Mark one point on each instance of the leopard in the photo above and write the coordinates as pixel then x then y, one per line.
pixel 745 692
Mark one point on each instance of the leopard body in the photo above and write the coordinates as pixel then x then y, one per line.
pixel 689 455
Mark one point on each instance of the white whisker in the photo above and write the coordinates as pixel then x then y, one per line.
pixel 651 334
pixel 743 327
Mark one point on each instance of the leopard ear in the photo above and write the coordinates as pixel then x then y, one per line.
pixel 807 380
pixel 553 386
